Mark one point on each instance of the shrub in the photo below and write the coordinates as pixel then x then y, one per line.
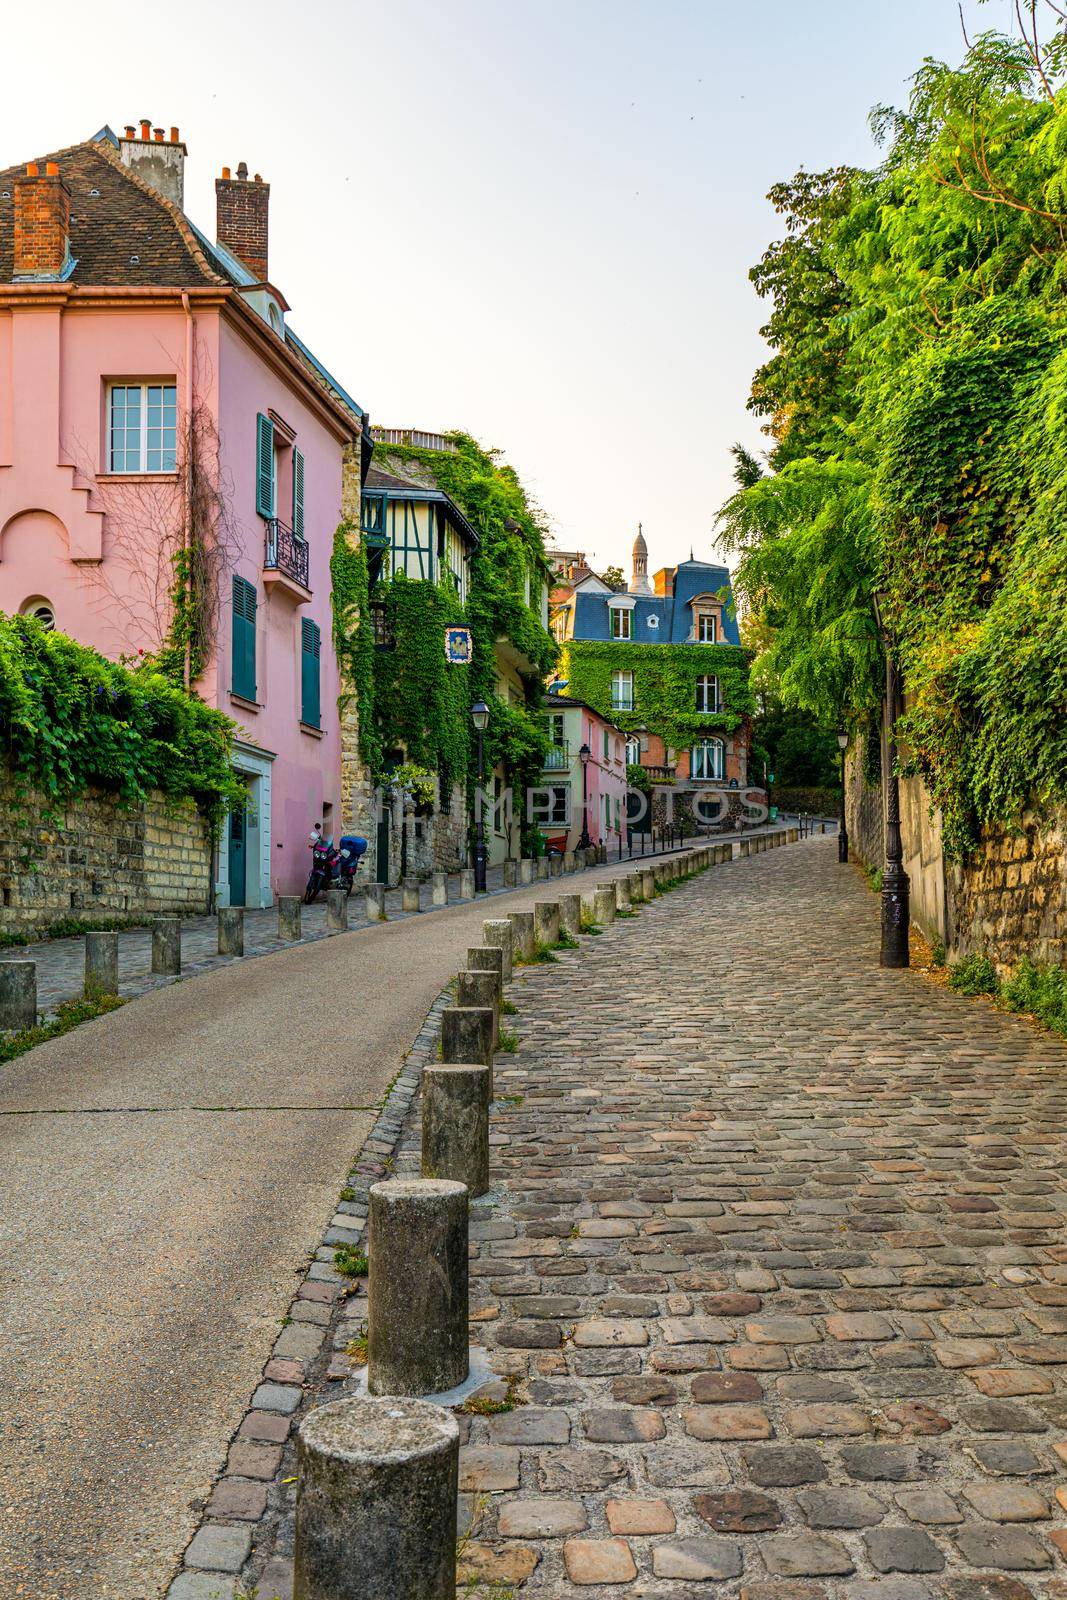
pixel 1039 990
pixel 821 802
pixel 975 974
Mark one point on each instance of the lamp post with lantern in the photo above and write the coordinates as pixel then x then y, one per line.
pixel 842 832
pixel 480 719
pixel 584 753
pixel 896 910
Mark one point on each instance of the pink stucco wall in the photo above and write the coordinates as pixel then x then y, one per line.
pixel 90 544
pixel 603 777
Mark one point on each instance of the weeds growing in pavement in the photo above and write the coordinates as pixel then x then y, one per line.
pixel 542 953
pixel 508 1042
pixel 1041 991
pixel 565 942
pixel 348 1194
pixel 938 953
pixel 356 1349
pixel 508 1008
pixel 350 1261
pixel 68 1015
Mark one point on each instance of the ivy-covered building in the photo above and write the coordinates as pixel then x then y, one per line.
pixel 664 660
pixel 445 540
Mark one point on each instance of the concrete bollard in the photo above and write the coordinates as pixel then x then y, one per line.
pixel 410 899
pixel 602 852
pixel 546 923
pixel 555 866
pixel 648 883
pixel 522 935
pixel 101 964
pixel 588 900
pixel 336 911
pixel 167 946
pixel 289 916
pixel 570 861
pixel 376 1501
pixel 486 958
pixel 18 995
pixel 622 894
pixel 570 914
pixel 439 892
pixel 455 1125
pixel 417 1341
pixel 467 1034
pixel 498 932
pixel 375 902
pixel 232 931
pixel 477 989
pixel 511 874
pixel 604 904
pixel 541 868
pixel 466 884
pixel 526 870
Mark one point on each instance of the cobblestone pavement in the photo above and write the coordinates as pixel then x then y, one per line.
pixel 776 1259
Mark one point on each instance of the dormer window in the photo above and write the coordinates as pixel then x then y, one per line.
pixel 620 622
pixel 707 629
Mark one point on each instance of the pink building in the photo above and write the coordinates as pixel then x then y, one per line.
pixel 158 417
pixel 584 781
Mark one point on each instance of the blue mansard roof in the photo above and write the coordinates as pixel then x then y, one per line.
pixel 673 615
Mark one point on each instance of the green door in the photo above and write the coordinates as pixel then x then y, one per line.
pixel 382 861
pixel 238 856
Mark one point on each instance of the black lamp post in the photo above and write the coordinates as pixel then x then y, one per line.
pixel 584 754
pixel 896 914
pixel 842 832
pixel 480 718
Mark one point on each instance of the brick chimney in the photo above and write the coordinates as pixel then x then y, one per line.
pixel 42 223
pixel 157 159
pixel 241 206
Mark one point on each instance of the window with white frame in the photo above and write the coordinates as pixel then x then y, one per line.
pixel 707 693
pixel 706 759
pixel 707 628
pixel 620 622
pixel 142 427
pixel 633 751
pixel 622 691
pixel 559 805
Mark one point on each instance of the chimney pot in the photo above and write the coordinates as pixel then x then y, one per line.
pixel 146 127
pixel 174 136
pixel 131 131
pixel 157 134
pixel 32 169
pixel 226 173
pixel 242 170
pixel 258 178
pixel 51 170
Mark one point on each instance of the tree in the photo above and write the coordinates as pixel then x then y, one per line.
pixel 615 579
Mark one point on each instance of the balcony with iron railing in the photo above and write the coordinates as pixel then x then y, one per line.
pixel 558 758
pixel 286 563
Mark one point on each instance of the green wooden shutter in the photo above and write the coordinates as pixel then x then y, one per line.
pixel 264 466
pixel 298 493
pixel 243 666
pixel 310 653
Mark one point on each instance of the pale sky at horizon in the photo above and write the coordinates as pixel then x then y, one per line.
pixel 533 223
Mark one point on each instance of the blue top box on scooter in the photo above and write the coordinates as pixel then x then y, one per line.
pixel 353 847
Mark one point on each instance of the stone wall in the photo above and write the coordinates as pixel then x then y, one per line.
pixel 93 857
pixel 1008 899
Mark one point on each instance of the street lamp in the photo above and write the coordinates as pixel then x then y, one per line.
pixel 842 832
pixel 480 718
pixel 584 754
pixel 895 887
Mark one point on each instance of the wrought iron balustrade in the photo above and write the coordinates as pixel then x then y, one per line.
pixel 287 553
pixel 558 758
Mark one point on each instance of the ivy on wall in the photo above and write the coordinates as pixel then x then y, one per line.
pixel 421 701
pixel 510 555
pixel 353 637
pixel 70 720
pixel 665 679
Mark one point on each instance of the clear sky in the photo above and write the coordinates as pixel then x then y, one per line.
pixel 531 221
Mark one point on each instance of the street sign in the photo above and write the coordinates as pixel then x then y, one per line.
pixel 459 647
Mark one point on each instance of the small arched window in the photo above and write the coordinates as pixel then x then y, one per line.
pixel 706 760
pixel 41 611
pixel 633 751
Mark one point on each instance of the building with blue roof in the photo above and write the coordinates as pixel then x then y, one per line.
pixel 664 659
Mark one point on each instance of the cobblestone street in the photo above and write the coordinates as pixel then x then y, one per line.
pixel 775 1255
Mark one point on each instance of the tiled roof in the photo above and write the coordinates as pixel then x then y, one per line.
pixel 122 234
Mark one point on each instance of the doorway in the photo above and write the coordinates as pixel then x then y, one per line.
pixel 238 872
